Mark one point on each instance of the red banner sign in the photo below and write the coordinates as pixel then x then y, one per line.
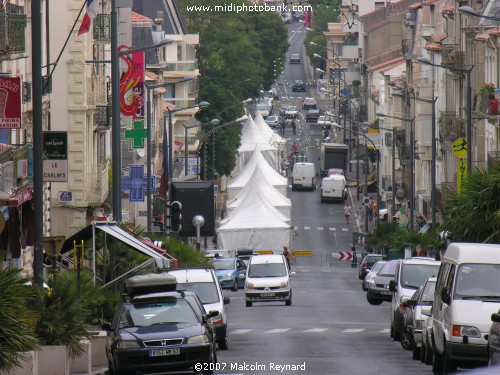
pixel 10 102
pixel 132 84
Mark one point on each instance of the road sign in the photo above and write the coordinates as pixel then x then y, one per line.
pixel 302 253
pixel 345 255
pixel 460 148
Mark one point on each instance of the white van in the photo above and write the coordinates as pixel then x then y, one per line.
pixel 333 188
pixel 304 176
pixel 205 284
pixel 467 293
pixel 268 280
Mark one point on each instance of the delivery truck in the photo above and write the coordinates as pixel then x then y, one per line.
pixel 333 155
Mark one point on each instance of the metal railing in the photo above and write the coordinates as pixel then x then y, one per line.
pixel 12 33
pixel 98 184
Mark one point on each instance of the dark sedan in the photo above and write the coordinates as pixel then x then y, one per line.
pixel 159 332
pixel 298 85
pixel 367 263
pixel 379 292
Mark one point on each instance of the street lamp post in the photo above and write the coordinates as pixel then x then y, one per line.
pixel 471 12
pixel 412 166
pixel 468 129
pixel 214 122
pixel 433 154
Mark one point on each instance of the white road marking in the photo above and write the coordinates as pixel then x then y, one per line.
pixel 386 330
pixel 345 229
pixel 319 228
pixel 334 229
pixel 315 330
pixel 278 330
pixel 307 228
pixel 240 331
pixel 353 330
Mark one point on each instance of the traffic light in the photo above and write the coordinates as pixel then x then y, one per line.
pixel 175 216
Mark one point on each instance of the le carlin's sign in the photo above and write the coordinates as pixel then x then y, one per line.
pixel 55 156
pixel 10 103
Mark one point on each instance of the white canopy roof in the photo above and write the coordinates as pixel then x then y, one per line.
pixel 255 223
pixel 257 161
pixel 261 124
pixel 258 184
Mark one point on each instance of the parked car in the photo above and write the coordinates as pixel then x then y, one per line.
pixel 268 280
pixel 367 263
pixel 298 85
pixel 379 292
pixel 372 273
pixel 419 303
pixel 204 283
pixel 157 329
pixel 312 115
pixel 309 103
pixel 294 58
pixel 426 352
pixel 263 108
pixel 467 294
pixel 410 275
pixel 274 121
pixel 230 272
pixel 494 340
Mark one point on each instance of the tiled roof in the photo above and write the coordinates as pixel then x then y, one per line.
pixel 168 106
pixel 136 17
pixel 484 36
pixel 152 76
pixel 429 2
pixel 386 64
pixel 433 46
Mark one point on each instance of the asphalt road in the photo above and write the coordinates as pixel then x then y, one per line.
pixel 330 328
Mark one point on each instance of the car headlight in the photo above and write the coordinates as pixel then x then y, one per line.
pixel 201 339
pixel 466 331
pixel 228 275
pixel 249 285
pixel 283 284
pixel 371 284
pixel 217 320
pixel 127 344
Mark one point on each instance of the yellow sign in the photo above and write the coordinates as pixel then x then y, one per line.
pixel 462 172
pixel 264 252
pixel 302 253
pixel 460 148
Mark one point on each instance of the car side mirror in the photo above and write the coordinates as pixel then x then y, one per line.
pixel 495 318
pixel 445 295
pixel 392 285
pixel 211 314
pixel 427 310
pixel 411 303
pixel 226 300
pixel 106 327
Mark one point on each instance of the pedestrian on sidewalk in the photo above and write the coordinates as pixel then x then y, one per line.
pixel 294 127
pixel 347 212
pixel 360 212
pixel 288 256
pixel 354 262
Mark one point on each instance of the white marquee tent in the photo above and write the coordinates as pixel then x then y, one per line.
pixel 257 161
pixel 254 222
pixel 252 137
pixel 258 183
pixel 275 139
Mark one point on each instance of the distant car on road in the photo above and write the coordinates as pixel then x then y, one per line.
pixel 263 109
pixel 294 58
pixel 312 115
pixel 326 121
pixel 299 85
pixel 274 121
pixel 379 291
pixel 372 273
pixel 309 103
pixel 368 261
pixel 228 271
pixel 290 112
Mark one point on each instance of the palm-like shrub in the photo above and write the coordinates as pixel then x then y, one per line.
pixel 16 321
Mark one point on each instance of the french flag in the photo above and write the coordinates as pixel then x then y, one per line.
pixel 92 10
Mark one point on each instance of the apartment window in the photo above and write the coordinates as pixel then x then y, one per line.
pixel 179 53
pixel 426 128
pixel 379 4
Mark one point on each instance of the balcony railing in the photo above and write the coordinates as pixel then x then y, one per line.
pixel 182 66
pixel 102 28
pixel 97 90
pixel 451 126
pixel 387 182
pixel 97 184
pixel 12 33
pixel 443 192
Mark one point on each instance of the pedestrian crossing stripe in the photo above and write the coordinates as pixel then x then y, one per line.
pixel 278 330
pixel 319 228
pixel 309 330
pixel 307 228
pixel 334 229
pixel 345 229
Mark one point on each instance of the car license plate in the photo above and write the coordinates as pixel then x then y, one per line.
pixel 162 352
pixel 267 294
pixel 386 293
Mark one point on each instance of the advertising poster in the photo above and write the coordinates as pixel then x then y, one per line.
pixel 10 103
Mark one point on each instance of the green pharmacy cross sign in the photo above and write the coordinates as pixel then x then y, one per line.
pixel 137 134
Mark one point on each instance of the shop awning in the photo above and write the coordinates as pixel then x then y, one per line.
pixel 115 231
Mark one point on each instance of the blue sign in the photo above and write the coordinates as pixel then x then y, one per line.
pixel 346 92
pixel 66 196
pixel 136 183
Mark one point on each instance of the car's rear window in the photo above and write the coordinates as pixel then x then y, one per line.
pixel 415 275
pixel 206 292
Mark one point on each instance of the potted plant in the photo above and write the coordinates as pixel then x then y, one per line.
pixel 486 94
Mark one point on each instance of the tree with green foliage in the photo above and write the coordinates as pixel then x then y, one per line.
pixel 473 213
pixel 17 322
